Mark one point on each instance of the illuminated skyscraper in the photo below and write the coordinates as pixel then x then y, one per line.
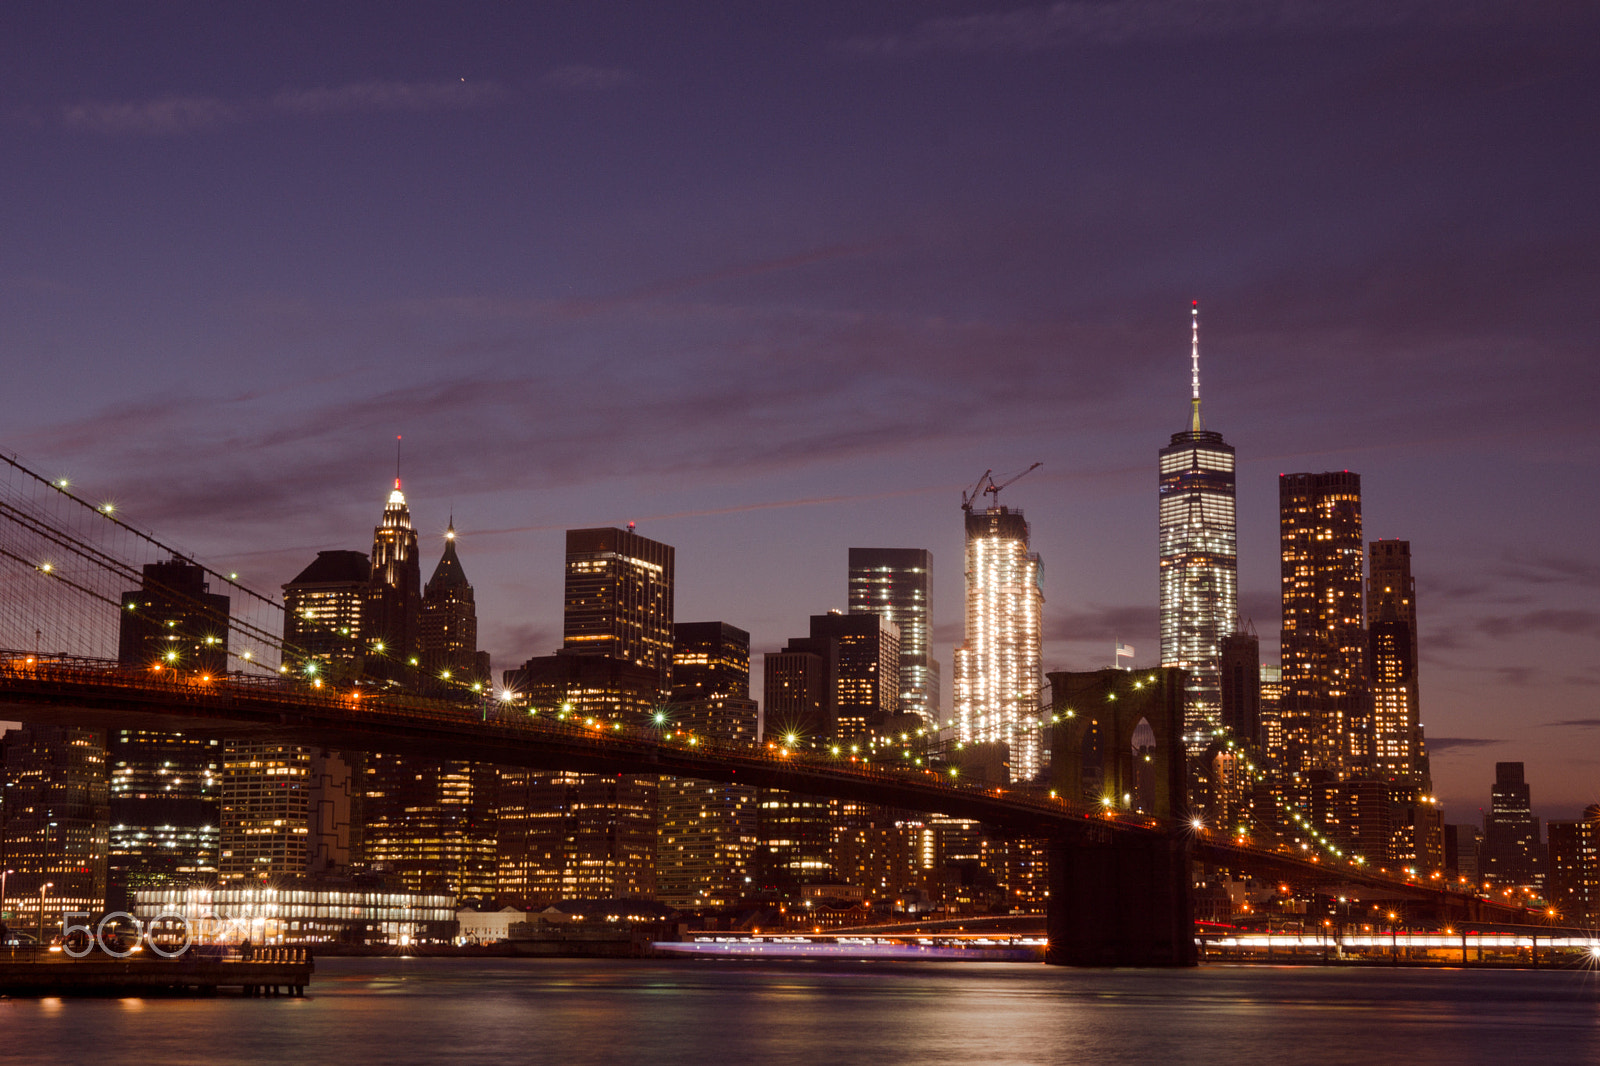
pixel 1324 703
pixel 392 612
pixel 322 621
pixel 53 822
pixel 1199 558
pixel 895 584
pixel 996 682
pixel 1397 743
pixel 619 599
pixel 707 837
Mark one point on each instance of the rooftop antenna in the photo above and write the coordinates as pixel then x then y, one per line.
pixel 397 455
pixel 1194 368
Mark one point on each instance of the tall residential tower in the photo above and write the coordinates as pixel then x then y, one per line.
pixel 1199 558
pixel 895 584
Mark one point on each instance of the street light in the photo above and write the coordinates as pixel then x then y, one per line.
pixel 42 890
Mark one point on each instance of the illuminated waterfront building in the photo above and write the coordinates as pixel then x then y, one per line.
pixel 166 788
pixel 707 835
pixel 303 913
pixel 619 589
pixel 391 612
pixel 1324 706
pixel 996 676
pixel 54 822
pixel 322 615
pixel 1199 559
pixel 575 836
pixel 896 584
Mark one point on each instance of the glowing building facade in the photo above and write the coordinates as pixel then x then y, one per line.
pixel 896 584
pixel 392 613
pixel 619 600
pixel 1397 743
pixel 996 682
pixel 322 625
pixel 1324 704
pixel 1199 560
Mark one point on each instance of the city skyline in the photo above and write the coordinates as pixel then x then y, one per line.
pixel 795 304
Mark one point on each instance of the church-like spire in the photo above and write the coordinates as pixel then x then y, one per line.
pixel 448 574
pixel 1194 367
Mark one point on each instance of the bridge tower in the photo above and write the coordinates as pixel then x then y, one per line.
pixel 1117 743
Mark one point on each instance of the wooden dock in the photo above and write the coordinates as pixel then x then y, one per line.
pixel 270 972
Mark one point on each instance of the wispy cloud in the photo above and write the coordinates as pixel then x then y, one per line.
pixel 1573 723
pixel 163 116
pixel 388 96
pixel 1568 622
pixel 583 77
pixel 174 115
pixel 1035 28
pixel 1440 744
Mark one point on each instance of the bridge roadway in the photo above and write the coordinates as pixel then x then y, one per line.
pixel 104 695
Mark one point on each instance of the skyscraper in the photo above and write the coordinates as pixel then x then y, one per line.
pixel 1575 868
pixel 322 615
pixel 448 627
pixel 392 610
pixel 707 835
pixel 1397 742
pixel 1511 845
pixel 166 788
pixel 1324 703
pixel 54 822
pixel 619 599
pixel 997 693
pixel 286 812
pixel 1199 558
pixel 593 836
pixel 896 585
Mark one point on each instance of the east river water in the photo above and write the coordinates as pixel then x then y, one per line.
pixel 709 1013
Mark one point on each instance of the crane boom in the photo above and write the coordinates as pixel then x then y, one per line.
pixel 995 488
pixel 972 497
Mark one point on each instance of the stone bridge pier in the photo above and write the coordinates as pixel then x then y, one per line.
pixel 1116 898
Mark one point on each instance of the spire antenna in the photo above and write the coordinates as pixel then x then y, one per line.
pixel 1194 367
pixel 397 437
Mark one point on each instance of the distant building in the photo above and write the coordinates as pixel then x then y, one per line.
pixel 430 826
pixel 1199 559
pixel 54 823
pixel 1397 744
pixel 166 788
pixel 322 616
pixel 619 591
pixel 593 836
pixel 796 693
pixel 287 811
pixel 391 612
pixel 1324 705
pixel 1463 845
pixel 996 675
pixel 1239 687
pixel 1511 845
pixel 707 836
pixel 896 584
pixel 448 625
pixel 304 912
pixel 1574 883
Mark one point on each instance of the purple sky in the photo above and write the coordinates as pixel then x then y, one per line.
pixel 778 279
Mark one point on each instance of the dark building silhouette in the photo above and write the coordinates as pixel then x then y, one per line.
pixel 840 682
pixel 323 624
pixel 174 621
pixel 1324 703
pixel 707 834
pixel 448 628
pixel 619 589
pixel 897 585
pixel 391 611
pixel 1511 845
pixel 796 694
pixel 1239 677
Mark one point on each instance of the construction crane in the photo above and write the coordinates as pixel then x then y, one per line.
pixel 988 485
